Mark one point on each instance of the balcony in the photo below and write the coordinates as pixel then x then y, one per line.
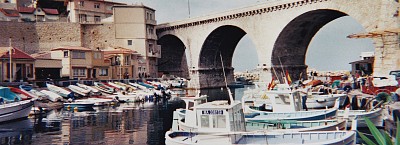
pixel 151 22
pixel 156 52
pixel 152 36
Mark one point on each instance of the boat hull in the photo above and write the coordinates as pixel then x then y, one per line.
pixel 309 138
pixel 375 116
pixel 16 110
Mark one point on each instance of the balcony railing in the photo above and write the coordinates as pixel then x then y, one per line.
pixel 151 22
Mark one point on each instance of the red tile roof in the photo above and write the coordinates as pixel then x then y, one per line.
pixel 9 12
pixel 17 53
pixel 26 10
pixel 119 50
pixel 72 48
pixel 42 55
pixel 50 11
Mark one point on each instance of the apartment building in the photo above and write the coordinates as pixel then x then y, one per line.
pixel 123 63
pixel 89 11
pixel 134 29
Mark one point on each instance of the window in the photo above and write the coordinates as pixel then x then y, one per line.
pixel 97 18
pixel 82 18
pixel 109 8
pixel 79 72
pixel 78 55
pixel 103 72
pixel 357 66
pixel 97 55
pixel 205 121
pixel 65 54
pixel 126 70
pixel 29 70
pixel 127 60
pixel 82 3
pixel 150 48
pixel 219 121
pixel 96 5
pixel 129 42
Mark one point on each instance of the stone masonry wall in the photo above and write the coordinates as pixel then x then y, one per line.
pixel 35 37
pixel 98 36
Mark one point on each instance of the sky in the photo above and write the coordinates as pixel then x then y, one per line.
pixel 329 50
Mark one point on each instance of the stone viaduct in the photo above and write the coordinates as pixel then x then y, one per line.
pixel 281 32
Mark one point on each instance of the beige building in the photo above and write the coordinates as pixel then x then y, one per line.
pixel 89 11
pixel 80 62
pixel 22 65
pixel 134 29
pixel 123 63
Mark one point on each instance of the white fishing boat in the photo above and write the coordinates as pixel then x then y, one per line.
pixel 120 87
pixel 125 96
pixel 92 90
pixel 315 100
pixel 129 87
pixel 62 92
pixel 297 126
pixel 138 86
pixel 96 101
pixel 376 116
pixel 54 97
pixel 36 94
pixel 79 90
pixel 12 108
pixel 219 122
pixel 287 105
pixel 318 101
pixel 103 88
pixel 79 104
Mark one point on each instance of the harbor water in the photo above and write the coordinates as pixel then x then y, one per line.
pixel 128 123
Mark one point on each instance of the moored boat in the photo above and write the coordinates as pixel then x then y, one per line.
pixel 92 90
pixel 62 92
pixel 54 97
pixel 79 104
pixel 103 88
pixel 287 105
pixel 12 107
pixel 79 90
pixel 375 115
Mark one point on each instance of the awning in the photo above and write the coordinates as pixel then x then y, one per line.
pixel 373 34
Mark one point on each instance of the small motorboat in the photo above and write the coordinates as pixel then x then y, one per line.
pixel 92 90
pixel 12 107
pixel 26 87
pixel 36 94
pixel 54 97
pixel 62 92
pixel 79 104
pixel 23 94
pixel 103 88
pixel 79 90
pixel 120 87
pixel 96 101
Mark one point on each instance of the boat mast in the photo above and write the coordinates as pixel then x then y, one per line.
pixel 10 53
pixel 226 84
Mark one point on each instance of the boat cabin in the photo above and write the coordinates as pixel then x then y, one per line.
pixel 194 101
pixel 285 101
pixel 218 116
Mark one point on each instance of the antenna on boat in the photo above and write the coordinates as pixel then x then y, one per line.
pixel 226 84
